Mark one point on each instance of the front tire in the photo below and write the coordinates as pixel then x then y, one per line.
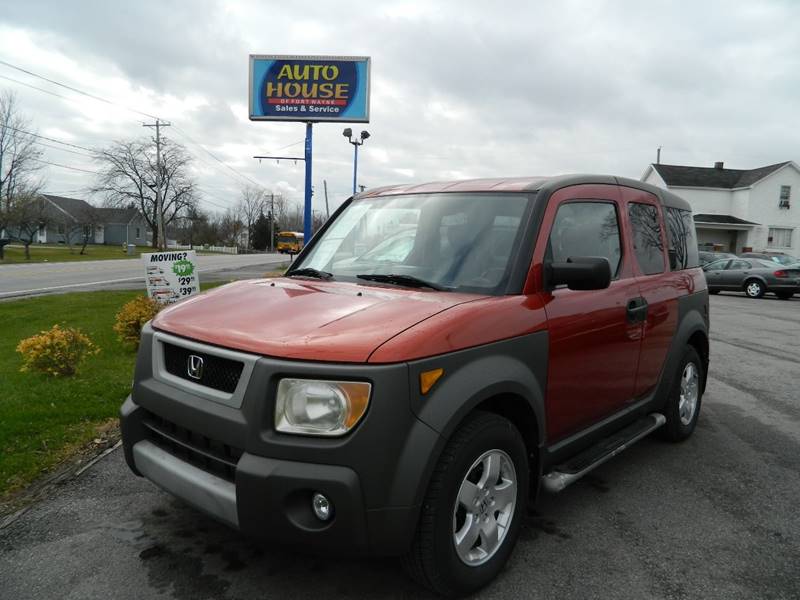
pixel 683 404
pixel 754 288
pixel 470 520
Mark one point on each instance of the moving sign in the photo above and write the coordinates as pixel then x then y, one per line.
pixel 171 276
pixel 309 88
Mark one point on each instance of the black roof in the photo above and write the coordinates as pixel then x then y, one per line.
pixel 72 206
pixel 77 208
pixel 727 219
pixel 117 215
pixel 713 177
pixel 548 185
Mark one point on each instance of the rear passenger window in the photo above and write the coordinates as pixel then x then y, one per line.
pixel 682 239
pixel 647 237
pixel 585 229
pixel 739 265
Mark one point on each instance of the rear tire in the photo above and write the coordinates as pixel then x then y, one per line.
pixel 713 292
pixel 685 397
pixel 488 530
pixel 784 295
pixel 754 288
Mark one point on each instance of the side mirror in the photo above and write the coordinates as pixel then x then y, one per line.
pixel 580 273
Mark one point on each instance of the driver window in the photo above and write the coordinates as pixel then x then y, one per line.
pixel 586 229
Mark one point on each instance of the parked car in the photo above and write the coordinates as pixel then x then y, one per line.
pixel 417 405
pixel 776 257
pixel 707 257
pixel 753 276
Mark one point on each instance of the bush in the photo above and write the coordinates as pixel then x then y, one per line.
pixel 56 352
pixel 132 317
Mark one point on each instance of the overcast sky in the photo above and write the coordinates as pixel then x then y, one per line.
pixel 459 89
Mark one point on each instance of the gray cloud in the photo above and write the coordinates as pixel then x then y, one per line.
pixel 459 89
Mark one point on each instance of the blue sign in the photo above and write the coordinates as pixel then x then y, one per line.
pixel 309 88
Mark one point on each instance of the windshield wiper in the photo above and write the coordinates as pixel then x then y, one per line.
pixel 406 280
pixel 309 272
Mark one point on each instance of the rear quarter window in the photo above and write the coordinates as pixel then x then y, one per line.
pixel 682 239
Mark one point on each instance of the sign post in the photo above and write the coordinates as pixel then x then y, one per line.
pixel 309 89
pixel 171 276
pixel 307 215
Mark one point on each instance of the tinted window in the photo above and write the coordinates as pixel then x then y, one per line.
pixel 647 237
pixel 739 265
pixel 585 229
pixel 717 265
pixel 682 240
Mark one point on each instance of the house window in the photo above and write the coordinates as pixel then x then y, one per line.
pixel 786 190
pixel 61 229
pixel 779 237
pixel 138 233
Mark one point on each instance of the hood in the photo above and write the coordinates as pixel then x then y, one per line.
pixel 300 319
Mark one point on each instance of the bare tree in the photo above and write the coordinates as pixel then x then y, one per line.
pixel 29 215
pixel 231 227
pixel 19 164
pixel 251 205
pixel 128 173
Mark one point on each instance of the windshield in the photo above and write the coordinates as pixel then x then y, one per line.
pixel 456 241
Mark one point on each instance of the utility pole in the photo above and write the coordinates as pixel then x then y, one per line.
pixel 271 222
pixel 327 210
pixel 162 240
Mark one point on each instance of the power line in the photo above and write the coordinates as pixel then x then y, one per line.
pixel 47 162
pixel 76 90
pixel 63 149
pixel 44 137
pixel 36 88
pixel 133 110
pixel 219 160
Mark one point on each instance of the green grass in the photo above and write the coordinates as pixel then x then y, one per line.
pixel 48 253
pixel 44 419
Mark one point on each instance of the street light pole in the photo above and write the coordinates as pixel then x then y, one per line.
pixel 348 133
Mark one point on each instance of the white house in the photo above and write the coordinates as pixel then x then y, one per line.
pixel 737 210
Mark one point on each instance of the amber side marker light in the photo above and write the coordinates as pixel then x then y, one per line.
pixel 428 378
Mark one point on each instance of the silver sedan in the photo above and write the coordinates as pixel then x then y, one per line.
pixel 753 276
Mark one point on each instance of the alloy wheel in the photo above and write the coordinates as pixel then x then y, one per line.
pixel 484 507
pixel 690 392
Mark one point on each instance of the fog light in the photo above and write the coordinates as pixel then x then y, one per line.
pixel 323 507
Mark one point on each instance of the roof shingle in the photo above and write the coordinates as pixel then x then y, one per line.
pixel 678 175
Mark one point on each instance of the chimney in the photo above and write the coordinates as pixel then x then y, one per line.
pixel 718 165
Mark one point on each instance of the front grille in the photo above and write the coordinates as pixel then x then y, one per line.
pixel 212 456
pixel 218 373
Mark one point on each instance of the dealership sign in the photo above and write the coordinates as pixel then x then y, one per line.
pixel 309 88
pixel 171 276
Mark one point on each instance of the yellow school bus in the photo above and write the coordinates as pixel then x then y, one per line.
pixel 290 242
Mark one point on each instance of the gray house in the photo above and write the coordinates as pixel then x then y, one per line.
pixel 123 226
pixel 66 220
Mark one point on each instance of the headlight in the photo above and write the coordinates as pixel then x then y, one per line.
pixel 320 407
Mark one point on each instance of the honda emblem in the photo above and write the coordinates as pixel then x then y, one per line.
pixel 194 367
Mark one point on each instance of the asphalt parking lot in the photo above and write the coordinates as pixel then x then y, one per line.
pixel 714 517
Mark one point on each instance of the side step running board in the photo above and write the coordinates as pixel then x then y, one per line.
pixel 579 465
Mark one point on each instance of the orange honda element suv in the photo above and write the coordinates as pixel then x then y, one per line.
pixel 436 356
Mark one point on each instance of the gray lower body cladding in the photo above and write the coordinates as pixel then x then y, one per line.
pixel 228 461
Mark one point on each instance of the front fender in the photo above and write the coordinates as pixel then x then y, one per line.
pixel 515 367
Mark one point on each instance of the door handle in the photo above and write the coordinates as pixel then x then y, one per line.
pixel 637 310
